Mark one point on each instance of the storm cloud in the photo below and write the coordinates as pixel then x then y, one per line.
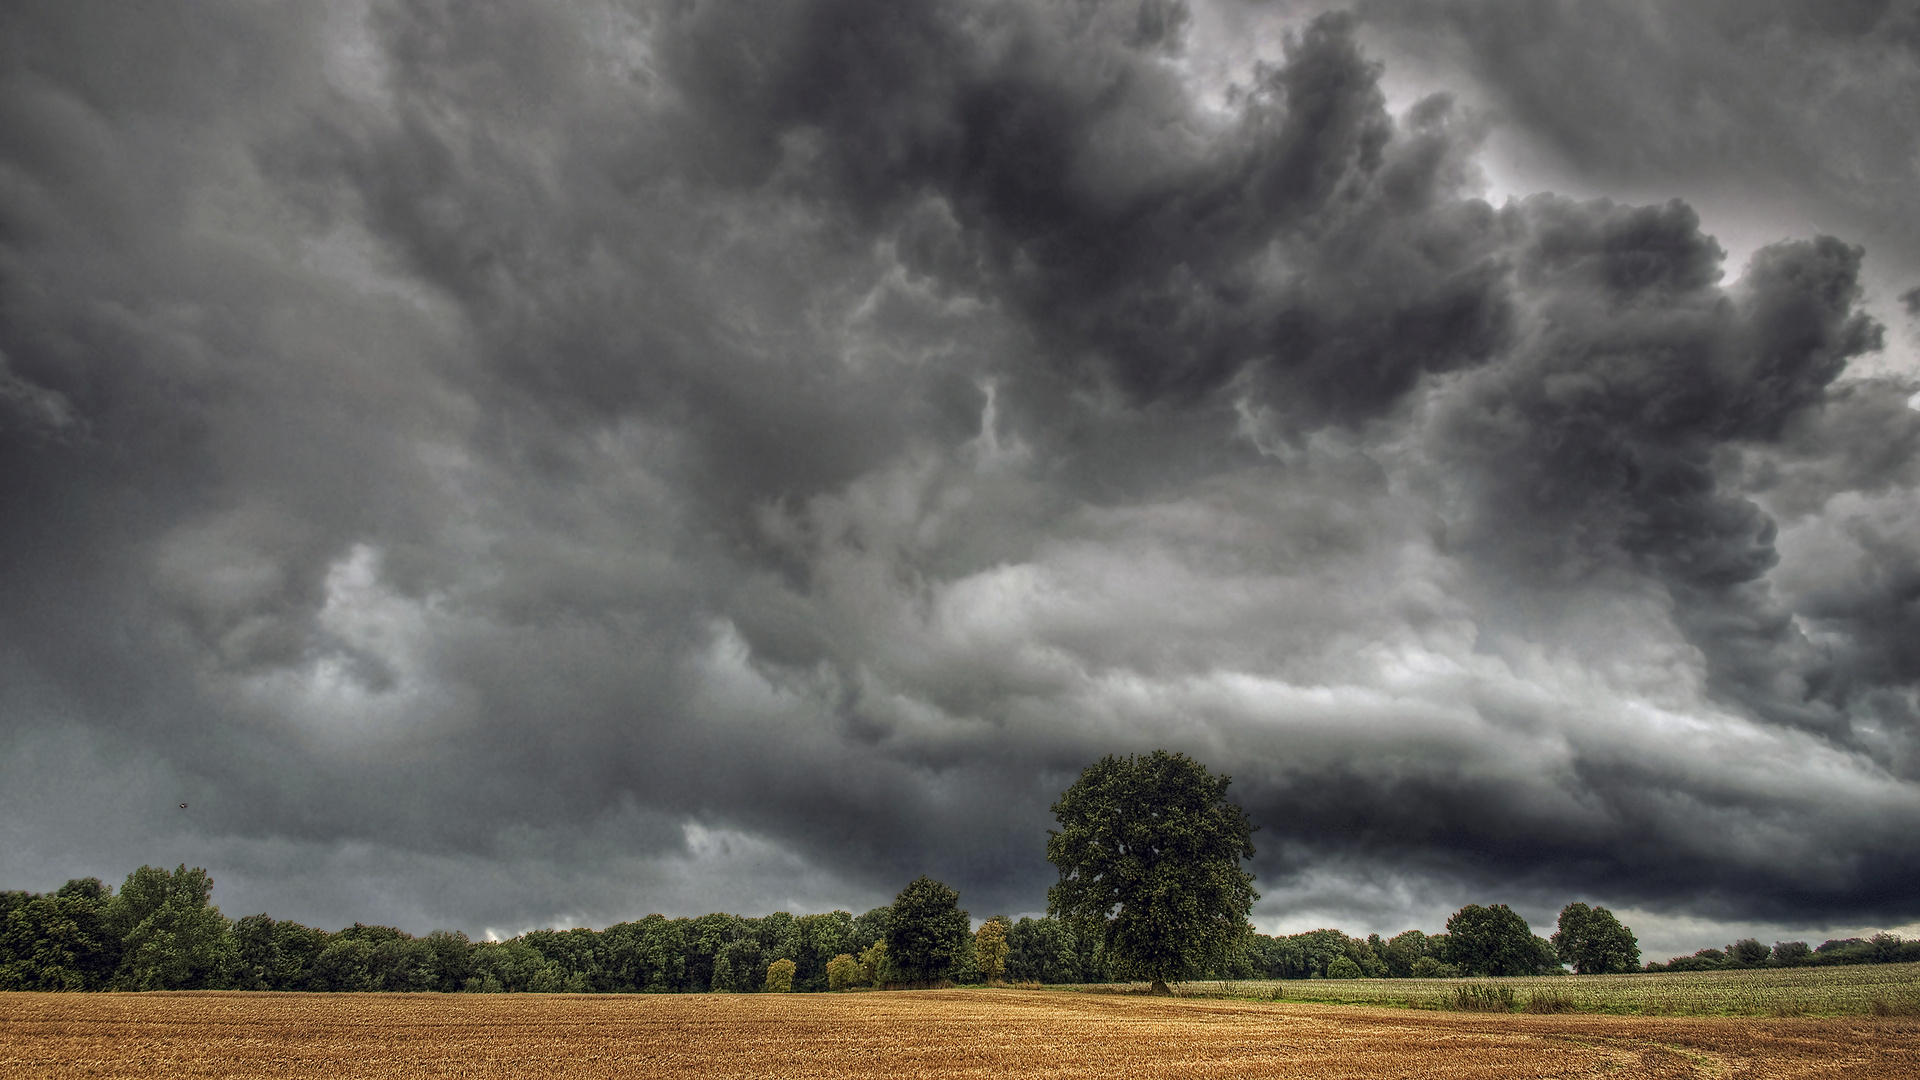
pixel 546 463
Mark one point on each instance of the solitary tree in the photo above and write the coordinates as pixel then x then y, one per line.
pixel 1149 854
pixel 927 933
pixel 1595 942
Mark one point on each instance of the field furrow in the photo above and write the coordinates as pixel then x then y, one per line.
pixel 945 1034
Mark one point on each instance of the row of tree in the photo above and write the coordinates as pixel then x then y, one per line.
pixel 1746 953
pixel 1151 887
pixel 161 931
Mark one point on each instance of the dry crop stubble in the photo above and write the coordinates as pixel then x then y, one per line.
pixel 953 1033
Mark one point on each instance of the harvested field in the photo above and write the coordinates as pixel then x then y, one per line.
pixel 943 1033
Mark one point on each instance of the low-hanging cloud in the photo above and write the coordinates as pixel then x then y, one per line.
pixel 556 462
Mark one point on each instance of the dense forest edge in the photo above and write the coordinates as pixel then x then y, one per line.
pixel 161 931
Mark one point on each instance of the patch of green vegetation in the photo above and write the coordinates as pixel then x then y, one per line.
pixel 1865 990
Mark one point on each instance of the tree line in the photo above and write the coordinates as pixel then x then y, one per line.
pixel 161 931
pixel 1882 948
pixel 1151 888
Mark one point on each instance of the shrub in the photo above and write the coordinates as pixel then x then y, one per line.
pixel 1427 967
pixel 875 967
pixel 1896 1002
pixel 780 976
pixel 844 971
pixel 990 948
pixel 1791 953
pixel 1481 997
pixel 1344 968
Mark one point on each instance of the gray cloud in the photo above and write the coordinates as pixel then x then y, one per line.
pixel 559 462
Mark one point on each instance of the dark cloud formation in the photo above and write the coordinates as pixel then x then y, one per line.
pixel 555 462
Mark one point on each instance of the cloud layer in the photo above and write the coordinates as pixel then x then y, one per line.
pixel 557 462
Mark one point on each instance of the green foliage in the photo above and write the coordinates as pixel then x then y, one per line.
pixel 1045 951
pixel 255 954
pixel 869 928
pixel 927 935
pixel 844 972
pixel 1402 951
pixel 58 942
pixel 1594 942
pixel 161 931
pixel 990 947
pixel 1746 953
pixel 705 938
pixel 1480 997
pixel 172 936
pixel 299 947
pixel 1881 948
pixel 1854 990
pixel 1344 968
pixel 737 965
pixel 1491 941
pixel 817 940
pixel 876 969
pixel 449 956
pixel 1149 853
pixel 1791 953
pixel 780 976
pixel 510 967
pixel 647 956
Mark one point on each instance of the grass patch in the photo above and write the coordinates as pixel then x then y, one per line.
pixel 1891 990
pixel 1551 999
pixel 1483 997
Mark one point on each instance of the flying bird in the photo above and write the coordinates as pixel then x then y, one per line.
pixel 183 806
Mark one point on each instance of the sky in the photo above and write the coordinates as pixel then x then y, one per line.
pixel 538 464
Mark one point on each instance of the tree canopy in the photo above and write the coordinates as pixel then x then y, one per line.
pixel 1495 940
pixel 161 931
pixel 927 934
pixel 1595 943
pixel 1149 853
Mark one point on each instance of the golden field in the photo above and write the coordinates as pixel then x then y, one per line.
pixel 939 1033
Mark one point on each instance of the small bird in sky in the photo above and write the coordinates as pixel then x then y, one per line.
pixel 183 806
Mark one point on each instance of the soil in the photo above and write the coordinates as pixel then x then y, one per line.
pixel 938 1033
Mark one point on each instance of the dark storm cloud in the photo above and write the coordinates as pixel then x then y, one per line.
pixel 608 457
pixel 1776 118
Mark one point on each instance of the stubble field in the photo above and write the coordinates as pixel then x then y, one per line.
pixel 947 1033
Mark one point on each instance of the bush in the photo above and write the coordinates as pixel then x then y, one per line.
pixel 876 969
pixel 1344 968
pixel 844 971
pixel 780 976
pixel 1428 968
pixel 990 948
pixel 1746 953
pixel 1791 953
pixel 1895 1003
pixel 1481 997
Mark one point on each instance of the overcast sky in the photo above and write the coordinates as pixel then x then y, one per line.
pixel 536 463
